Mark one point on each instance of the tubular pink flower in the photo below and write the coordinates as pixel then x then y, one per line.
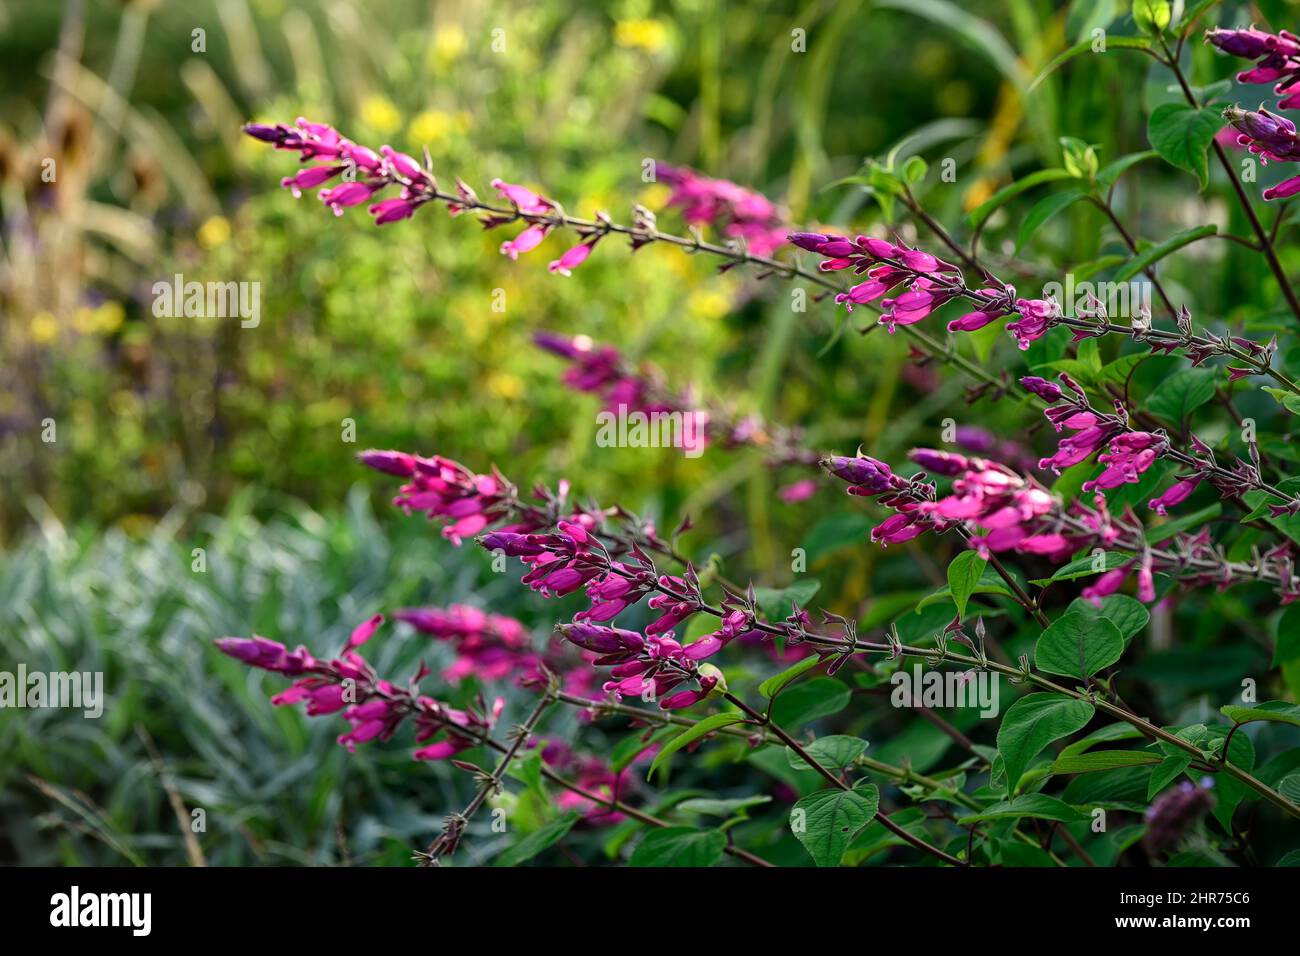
pixel 1288 187
pixel 405 166
pixel 1037 316
pixel 571 259
pixel 310 178
pixel 347 194
pixel 1175 495
pixel 973 321
pixel 1107 584
pixel 526 241
pixel 523 198
pixel 393 210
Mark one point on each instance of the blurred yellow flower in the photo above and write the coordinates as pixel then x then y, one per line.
pixel 83 320
pixel 214 232
pixel 110 316
pixel 44 328
pixel 708 304
pixel 650 35
pixel 435 126
pixel 380 114
pixel 474 322
pixel 505 385
pixel 654 196
pixel 448 42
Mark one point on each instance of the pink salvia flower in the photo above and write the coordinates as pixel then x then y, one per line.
pixel 573 258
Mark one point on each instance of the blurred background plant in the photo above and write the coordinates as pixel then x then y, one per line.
pixel 121 165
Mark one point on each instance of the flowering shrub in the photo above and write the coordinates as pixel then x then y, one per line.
pixel 1127 497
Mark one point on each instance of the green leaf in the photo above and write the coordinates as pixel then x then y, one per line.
pixel 1079 157
pixel 1153 254
pixel 836 532
pixel 1086 46
pixel 1037 805
pixel 1097 760
pixel 1181 394
pixel 989 583
pixel 1182 135
pixel 1083 567
pixel 1228 790
pixel 1194 11
pixel 963 577
pixel 537 841
pixel 773 685
pixel 1286 398
pixel 834 752
pixel 632 746
pixel 776 602
pixel 1152 16
pixel 979 34
pixel 1289 787
pixel 1033 722
pixel 1128 615
pixel 1272 710
pixel 1167 529
pixel 1168 771
pixel 1112 171
pixel 1118 371
pixel 981 213
pixel 805 703
pixel 691 734
pixel 1044 210
pixel 1088 15
pixel 528 770
pixel 1287 647
pixel 1075 645
pixel 1105 734
pixel 914 170
pixel 827 821
pixel 710 807
pixel 679 846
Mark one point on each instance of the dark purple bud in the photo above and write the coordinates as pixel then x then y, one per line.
pixel 602 640
pixel 268 655
pixel 874 475
pixel 267 134
pixel 514 544
pixel 939 462
pixel 390 462
pixel 814 241
pixel 1047 391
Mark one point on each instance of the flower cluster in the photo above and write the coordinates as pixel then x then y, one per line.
pixel 375 708
pixel 929 282
pixel 570 558
pixel 602 370
pixel 1129 453
pixel 494 647
pixel 1273 137
pixel 739 213
pixel 999 510
pixel 364 172
pixel 593 775
pixel 1277 56
pixel 1174 813
pixel 744 216
pixel 447 490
